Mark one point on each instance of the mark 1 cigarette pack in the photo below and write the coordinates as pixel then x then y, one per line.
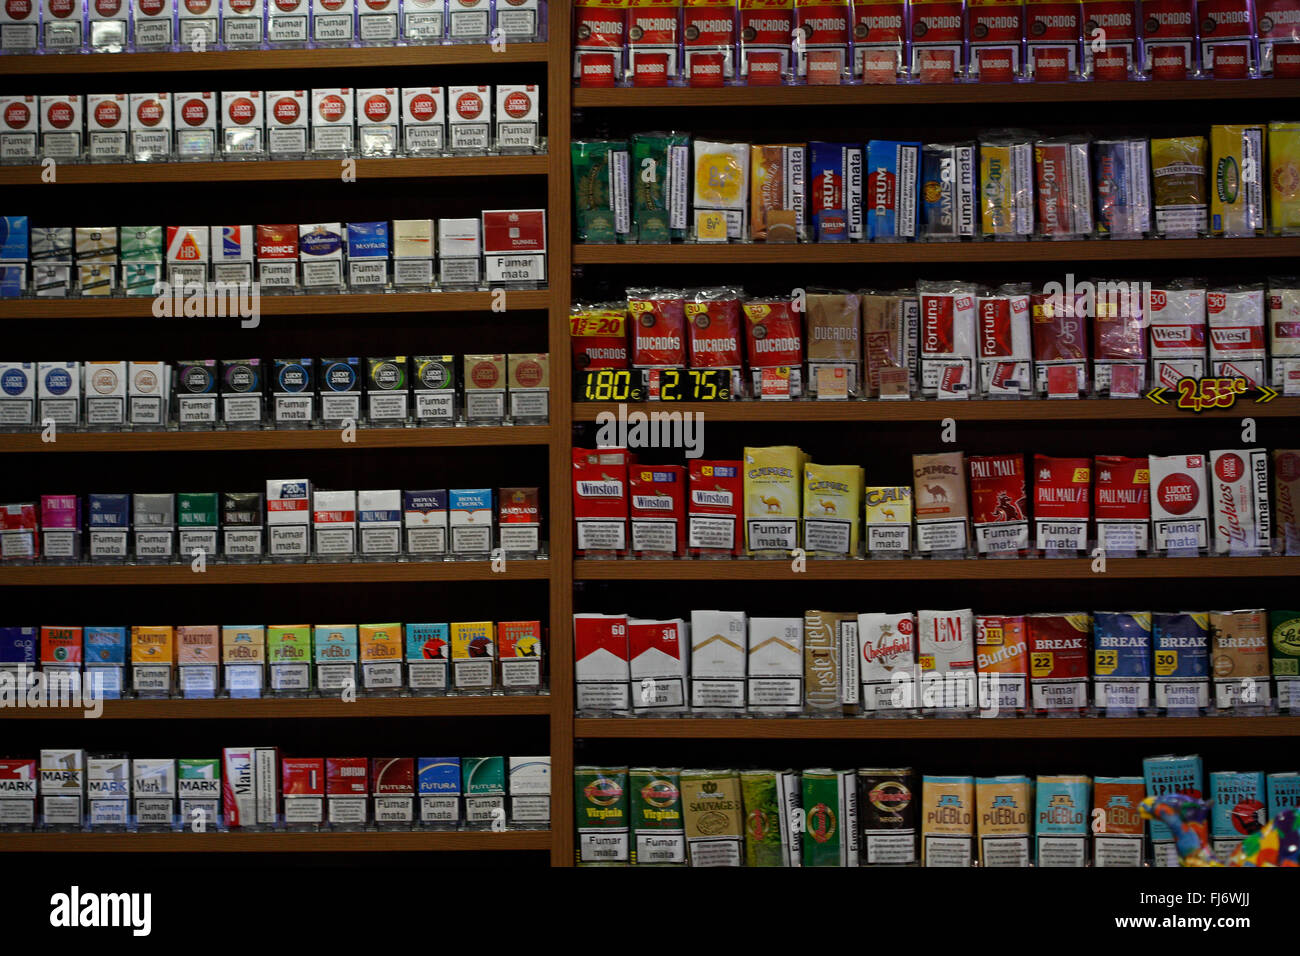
pixel 1164 775
pixel 712 812
pixel 887 521
pixel 1061 820
pixel 1002 664
pixel 601 815
pixel 250 783
pixel 1121 663
pixel 1239 659
pixel 1058 662
pixel 1242 515
pixel 945 655
pixel 601 669
pixel 939 483
pixel 1118 841
pixel 830 509
pixel 658 827
pixel 108 792
pixel 659 655
pixel 888 804
pixel 775 665
pixel 887 665
pixel 717 499
pixel 999 506
pixel 718 653
pixel 948 820
pixel 1003 808
pixel 62 788
pixel 1179 503
pixel 773 479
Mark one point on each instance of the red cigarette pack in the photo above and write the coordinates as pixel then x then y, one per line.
pixel 302 777
pixel 658 319
pixel 600 498
pixel 717 499
pixel 346 777
pixel 1061 487
pixel 714 323
pixel 658 509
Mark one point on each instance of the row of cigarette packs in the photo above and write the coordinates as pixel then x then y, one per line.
pixel 712 43
pixel 938 663
pixel 647 816
pixel 221 271
pixel 251 789
pixel 786 502
pixel 87 664
pixel 1013 184
pixel 293 521
pixel 276 124
pixel 80 26
pixel 202 394
pixel 950 339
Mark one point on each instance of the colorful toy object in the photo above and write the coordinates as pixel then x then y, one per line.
pixel 1277 844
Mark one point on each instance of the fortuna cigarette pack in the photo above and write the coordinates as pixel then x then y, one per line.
pixel 718 660
pixel 658 663
pixel 601 662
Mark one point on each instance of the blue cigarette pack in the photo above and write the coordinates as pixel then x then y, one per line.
pixel 437 776
pixel 1166 774
pixel 340 374
pixel 105 645
pixel 1061 806
pixel 1283 792
pixel 14 236
pixel 1122 174
pixel 835 191
pixel 109 511
pixel 18 645
pixel 1181 651
pixel 1121 665
pixel 335 643
pixel 948 191
pixel 13 279
pixel 1236 804
pixel 427 642
pixel 368 240
pixel 893 193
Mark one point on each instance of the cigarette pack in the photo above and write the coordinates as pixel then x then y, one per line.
pixel 1121 662
pixel 937 48
pixel 1006 184
pixel 893 195
pixel 469 119
pixel 517 118
pixel 712 805
pixel 945 655
pixel 1239 659
pixel 485 388
pixel 1119 842
pixel 243 652
pixel 470 513
pixel 107 127
pixel 437 784
pixel 18 780
pixel 830 661
pixel 653 37
pixel 947 196
pixel 392 782
pixel 380 648
pixel 888 521
pixel 367 250
pixel 62 788
pixel 428 653
pixel 387 387
pixel 196 124
pixel 718 652
pixel 999 505
pixel 288 516
pixel 600 500
pixel 995 30
pixel 18 401
pixel 484 781
pixel 18 126
pixel 519 649
pixel 834 346
pixel 658 833
pixel 1237 199
pixel 1061 503
pixel 1242 516
pixel 775 665
pixel 1058 655
pixel 1003 805
pixel 379 523
pixel 424 516
pixel 241 525
pixel 529 783
pixel 302 782
pixel 887 804
pixel 1121 173
pixel 942 516
pixel 1002 664
pixel 1235 317
pixel 108 792
pixel 1164 775
pixel 947 337
pixel 658 510
pixel 835 183
pixel 528 378
pixel 105 656
pixel 1284 630
pixel 347 792
pixel 773 482
pixel 887 662
pixel 717 494
pixel 658 654
pixel 198 656
pixel 1283 793
pixel 333 22
pixel 473 656
pixel 424 119
pixel 601 814
pixel 378 117
pixel 1061 820
pixel 777 210
pixel 948 824
pixel 1237 809
pixel 153 651
pixel 519 521
pixel 1179 506
pixel 1181 650
pixel 151 126
pixel 413 250
pixel 831 516
pixel 774 344
pixel 335 649
pixel 830 807
pixel 288 649
pixel 61 126
pixel 153 791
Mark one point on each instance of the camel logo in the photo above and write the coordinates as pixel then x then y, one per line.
pixel 828 507
pixel 773 504
pixel 937 492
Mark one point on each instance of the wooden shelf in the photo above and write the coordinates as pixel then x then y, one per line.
pixel 1082 250
pixel 397 841
pixel 290 708
pixel 358 573
pixel 324 58
pixel 512 435
pixel 276 171
pixel 925 569
pixel 929 93
pixel 975 410
pixel 934 728
pixel 141 307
